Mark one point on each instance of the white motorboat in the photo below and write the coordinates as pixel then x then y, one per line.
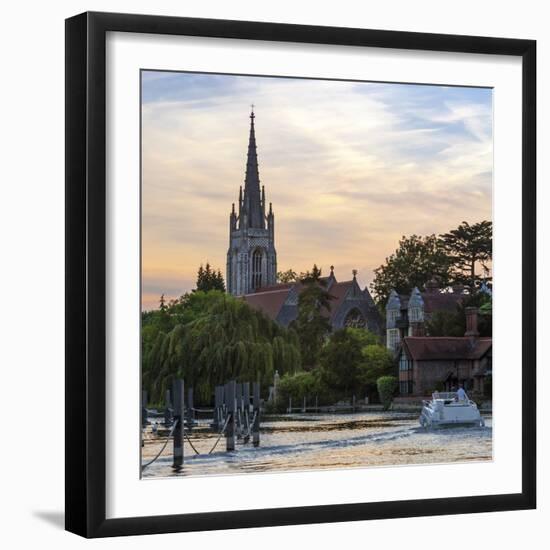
pixel 446 409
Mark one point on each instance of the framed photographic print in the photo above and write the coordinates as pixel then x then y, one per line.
pixel 300 274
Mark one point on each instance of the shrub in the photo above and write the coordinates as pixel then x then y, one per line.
pixel 386 389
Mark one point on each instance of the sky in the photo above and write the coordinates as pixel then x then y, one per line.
pixel 350 167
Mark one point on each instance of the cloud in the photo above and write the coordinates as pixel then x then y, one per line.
pixel 348 166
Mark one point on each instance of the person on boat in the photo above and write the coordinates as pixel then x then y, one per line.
pixel 461 394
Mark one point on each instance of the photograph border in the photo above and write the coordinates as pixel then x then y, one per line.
pixel 85 332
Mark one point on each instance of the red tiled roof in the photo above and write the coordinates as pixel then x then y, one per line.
pixel 429 348
pixel 278 286
pixel 338 292
pixel 270 301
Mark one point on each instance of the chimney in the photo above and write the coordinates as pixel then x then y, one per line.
pixel 417 328
pixel 471 322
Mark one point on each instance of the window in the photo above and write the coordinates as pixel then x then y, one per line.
pixel 415 314
pixel 355 319
pixel 393 338
pixel 404 363
pixel 257 268
pixel 405 387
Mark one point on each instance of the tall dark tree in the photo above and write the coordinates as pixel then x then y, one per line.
pixel 468 245
pixel 416 261
pixel 209 279
pixel 312 323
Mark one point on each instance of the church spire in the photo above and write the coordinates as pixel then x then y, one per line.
pixel 252 197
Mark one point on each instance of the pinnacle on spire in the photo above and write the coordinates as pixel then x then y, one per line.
pixel 252 197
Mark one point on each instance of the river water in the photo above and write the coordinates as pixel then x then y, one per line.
pixel 321 441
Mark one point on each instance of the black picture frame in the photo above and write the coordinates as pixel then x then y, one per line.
pixel 86 273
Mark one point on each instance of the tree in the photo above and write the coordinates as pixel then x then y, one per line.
pixel 386 390
pixel 453 323
pixel 416 260
pixel 377 361
pixel 312 322
pixel 468 245
pixel 209 279
pixel 226 340
pixel 288 276
pixel 340 359
pixel 353 359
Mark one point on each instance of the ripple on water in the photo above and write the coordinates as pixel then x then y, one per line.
pixel 304 442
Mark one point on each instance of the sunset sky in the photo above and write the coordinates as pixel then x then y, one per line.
pixel 350 167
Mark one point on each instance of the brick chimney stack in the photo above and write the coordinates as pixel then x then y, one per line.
pixel 471 322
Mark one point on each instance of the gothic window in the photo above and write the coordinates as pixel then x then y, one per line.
pixel 393 338
pixel 415 314
pixel 355 319
pixel 257 269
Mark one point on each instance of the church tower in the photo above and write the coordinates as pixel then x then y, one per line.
pixel 251 258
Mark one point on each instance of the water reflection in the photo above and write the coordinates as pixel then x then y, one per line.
pixel 302 442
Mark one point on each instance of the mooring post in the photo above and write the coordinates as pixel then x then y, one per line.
pixel 218 398
pixel 256 414
pixel 167 408
pixel 239 407
pixel 304 405
pixel 144 408
pixel 353 403
pixel 230 403
pixel 246 410
pixel 316 403
pixel 190 410
pixel 179 411
pixel 289 404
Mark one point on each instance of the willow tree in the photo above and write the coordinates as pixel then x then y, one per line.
pixel 228 341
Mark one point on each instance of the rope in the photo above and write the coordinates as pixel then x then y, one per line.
pixel 221 433
pixel 163 447
pixel 190 442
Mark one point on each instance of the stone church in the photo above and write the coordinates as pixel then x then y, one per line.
pixel 252 263
pixel 251 258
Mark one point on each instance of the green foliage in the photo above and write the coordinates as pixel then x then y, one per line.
pixel 387 386
pixel 377 361
pixel 312 323
pixel 450 258
pixel 353 359
pixel 288 276
pixel 416 260
pixel 466 246
pixel 221 338
pixel 453 323
pixel 299 385
pixel 209 279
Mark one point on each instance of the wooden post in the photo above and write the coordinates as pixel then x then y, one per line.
pixel 246 411
pixel 218 403
pixel 144 421
pixel 167 408
pixel 256 414
pixel 190 411
pixel 179 409
pixel 289 404
pixel 230 403
pixel 304 406
pixel 316 403
pixel 239 407
pixel 353 403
